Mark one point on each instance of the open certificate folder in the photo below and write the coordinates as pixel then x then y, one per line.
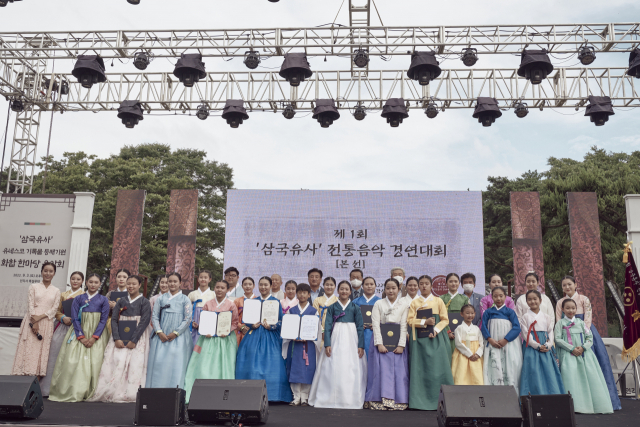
pixel 297 327
pixel 215 324
pixel 255 311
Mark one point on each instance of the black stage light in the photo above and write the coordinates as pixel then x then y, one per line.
pixel 424 67
pixel 361 59
pixel 599 109
pixel 189 69
pixel 289 112
pixel 295 68
pixel 252 59
pixel 535 65
pixel 325 112
pixel 486 111
pixel 234 112
pixel 45 85
pixel 395 111
pixel 64 88
pixel 274 1
pixel 17 106
pixel 521 109
pixel 634 63
pixel 469 56
pixel 432 110
pixel 3 3
pixel 587 55
pixel 131 113
pixel 203 112
pixel 360 113
pixel 89 69
pixel 141 60
pixel 133 1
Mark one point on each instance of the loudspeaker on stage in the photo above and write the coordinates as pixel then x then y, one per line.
pixel 552 410
pixel 239 401
pixel 160 407
pixel 20 397
pixel 479 405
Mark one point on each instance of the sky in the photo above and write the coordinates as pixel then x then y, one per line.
pixel 450 153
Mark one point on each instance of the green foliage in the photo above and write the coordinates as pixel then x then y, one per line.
pixel 158 170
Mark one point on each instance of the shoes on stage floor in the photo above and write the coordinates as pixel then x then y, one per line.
pixel 294 403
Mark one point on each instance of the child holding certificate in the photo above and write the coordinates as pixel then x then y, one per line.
pixel 199 298
pixel 289 300
pixel 322 304
pixel 466 363
pixel 369 297
pixel 214 358
pixel 248 286
pixel 260 351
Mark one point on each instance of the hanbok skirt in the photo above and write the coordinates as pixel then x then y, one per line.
pixel 502 366
pixel 75 376
pixel 196 318
pixel 600 351
pixel 260 358
pixel 430 368
pixel 368 338
pixel 466 372
pixel 301 361
pixel 540 371
pixel 387 379
pixel 168 361
pixel 56 344
pixel 124 370
pixel 32 354
pixel 212 359
pixel 340 380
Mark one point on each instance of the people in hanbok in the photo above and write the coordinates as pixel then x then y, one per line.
pixel 214 358
pixel 388 371
pixel 124 368
pixel 369 297
pixel 531 281
pixel 301 354
pixel 584 312
pixel 121 286
pixel 430 356
pixel 468 281
pixel 503 351
pixel 581 373
pixel 260 352
pixel 322 303
pixel 163 288
pixel 466 362
pixel 61 328
pixel 487 302
pixel 453 301
pixel 199 298
pixel 290 299
pixel 341 374
pixel 276 284
pixel 540 370
pixel 170 346
pixel 413 289
pixel 248 287
pixel 75 376
pixel 36 329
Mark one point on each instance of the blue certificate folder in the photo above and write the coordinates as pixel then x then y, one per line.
pixel 126 328
pixel 425 313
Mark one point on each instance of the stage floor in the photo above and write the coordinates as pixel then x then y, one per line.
pixel 283 415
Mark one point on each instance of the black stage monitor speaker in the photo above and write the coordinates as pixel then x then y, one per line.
pixel 20 397
pixel 553 410
pixel 479 405
pixel 159 407
pixel 243 401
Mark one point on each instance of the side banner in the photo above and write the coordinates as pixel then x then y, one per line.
pixel 127 233
pixel 527 239
pixel 586 253
pixel 183 225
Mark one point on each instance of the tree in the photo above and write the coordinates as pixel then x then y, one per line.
pixel 158 170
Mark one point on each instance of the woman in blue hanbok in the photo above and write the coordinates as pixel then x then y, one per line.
pixel 171 346
pixel 260 353
pixel 368 298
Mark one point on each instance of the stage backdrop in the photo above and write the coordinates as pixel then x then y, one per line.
pixel 289 232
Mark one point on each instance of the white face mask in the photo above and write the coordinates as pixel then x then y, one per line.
pixel 399 279
pixel 468 287
pixel 356 283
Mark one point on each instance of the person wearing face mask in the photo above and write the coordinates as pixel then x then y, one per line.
pixel 398 274
pixel 468 285
pixel 355 277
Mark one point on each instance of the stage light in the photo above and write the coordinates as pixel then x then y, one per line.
pixel 521 110
pixel 274 1
pixel 469 56
pixel 131 113
pixel 325 112
pixel 587 55
pixel 141 60
pixel 289 112
pixel 634 63
pixel 486 111
pixel 535 65
pixel 133 1
pixel 17 106
pixel 361 59
pixel 360 113
pixel 252 59
pixel 203 112
pixel 599 109
pixel 64 88
pixel 395 111
pixel 234 112
pixel 190 69
pixel 89 69
pixel 3 3
pixel 295 68
pixel 424 67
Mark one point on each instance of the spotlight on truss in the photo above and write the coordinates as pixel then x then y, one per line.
pixel 295 68
pixel 599 109
pixel 289 112
pixel 17 106
pixel 469 56
pixel 131 113
pixel 535 65
pixel 89 69
pixel 252 59
pixel 521 110
pixel 587 55
pixel 361 58
pixel 3 3
pixel 234 112
pixel 325 112
pixel 634 63
pixel 395 111
pixel 203 112
pixel 432 110
pixel 141 60
pixel 424 67
pixel 190 69
pixel 133 1
pixel 486 111
pixel 360 113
